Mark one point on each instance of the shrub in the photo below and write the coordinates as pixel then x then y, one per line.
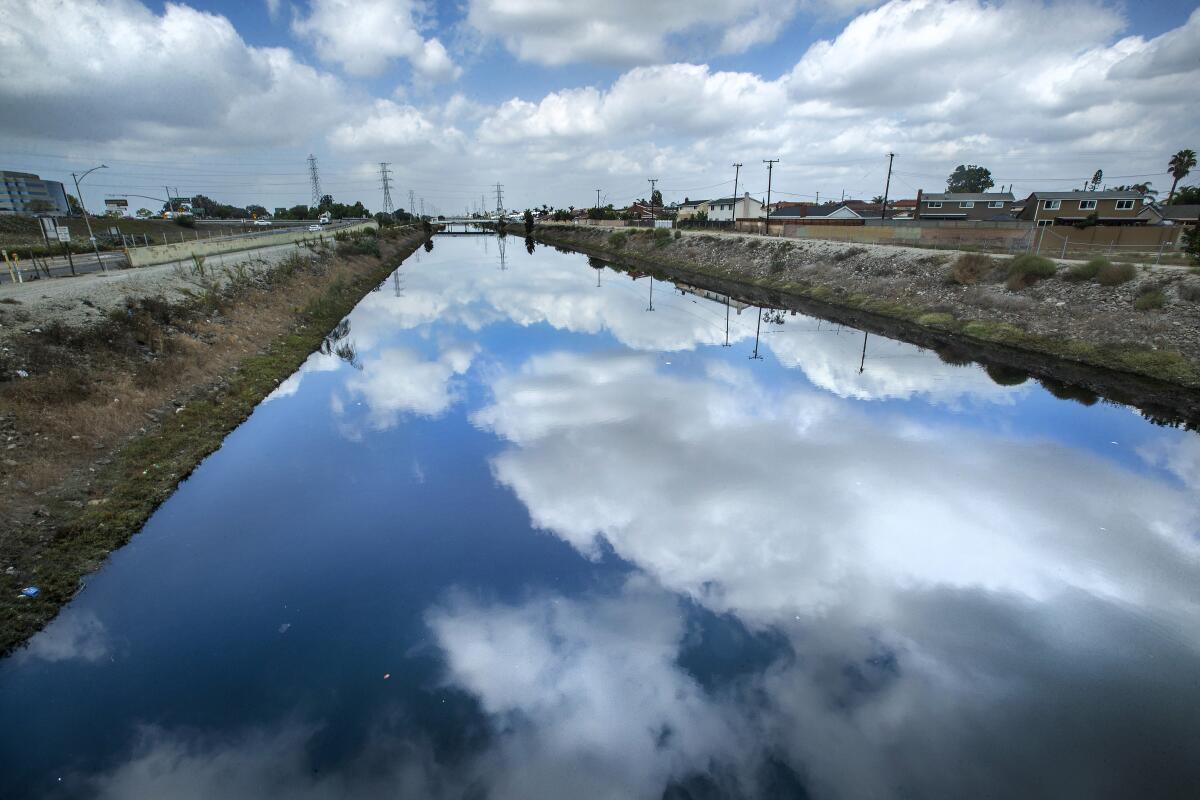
pixel 678 234
pixel 1004 375
pixel 185 221
pixel 1116 274
pixel 971 268
pixel 1027 270
pixel 1088 271
pixel 662 237
pixel 1149 297
pixel 617 240
pixel 359 246
pixel 849 253
pixel 1191 243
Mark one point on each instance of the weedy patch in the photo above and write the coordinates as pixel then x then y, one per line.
pixel 1115 274
pixel 1028 269
pixel 971 268
pixel 1088 271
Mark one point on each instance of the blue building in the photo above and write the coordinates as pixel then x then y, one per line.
pixel 20 191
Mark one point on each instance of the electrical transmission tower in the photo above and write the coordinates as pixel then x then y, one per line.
pixel 384 173
pixel 412 202
pixel 315 177
pixel 499 200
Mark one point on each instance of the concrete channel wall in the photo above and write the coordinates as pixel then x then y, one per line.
pixel 178 251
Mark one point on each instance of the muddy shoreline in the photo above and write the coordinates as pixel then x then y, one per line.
pixel 52 538
pixel 1162 402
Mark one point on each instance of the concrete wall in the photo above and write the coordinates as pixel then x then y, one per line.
pixel 177 251
pixel 1017 236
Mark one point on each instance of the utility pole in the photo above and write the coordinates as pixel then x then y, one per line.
pixel 170 202
pixel 597 199
pixel 315 178
pixel 770 162
pixel 86 221
pixel 652 182
pixel 737 168
pixel 757 330
pixel 499 200
pixel 422 208
pixel 887 186
pixel 384 174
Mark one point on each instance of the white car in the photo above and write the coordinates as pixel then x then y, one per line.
pixel 315 228
pixel 259 223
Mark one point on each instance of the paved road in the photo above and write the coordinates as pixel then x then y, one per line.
pixel 60 267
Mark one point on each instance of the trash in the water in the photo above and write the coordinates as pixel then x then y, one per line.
pixel 387 675
pixel 31 591
pixel 22 373
pixel 283 628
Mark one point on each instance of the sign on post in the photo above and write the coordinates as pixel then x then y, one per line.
pixel 64 234
pixel 49 227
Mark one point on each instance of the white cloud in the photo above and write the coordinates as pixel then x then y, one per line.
pixel 365 36
pixel 397 381
pixel 623 32
pixel 113 71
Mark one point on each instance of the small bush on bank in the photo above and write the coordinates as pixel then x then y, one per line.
pixel 617 240
pixel 662 237
pixel 1027 270
pixel 848 253
pixel 359 246
pixel 185 221
pixel 1116 274
pixel 1088 271
pixel 971 268
pixel 678 234
pixel 1149 298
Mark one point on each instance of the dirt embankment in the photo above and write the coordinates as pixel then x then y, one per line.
pixel 1148 325
pixel 101 415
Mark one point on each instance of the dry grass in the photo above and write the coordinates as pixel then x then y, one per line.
pixel 971 268
pixel 1116 274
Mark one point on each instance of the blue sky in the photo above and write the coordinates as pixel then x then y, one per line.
pixel 554 100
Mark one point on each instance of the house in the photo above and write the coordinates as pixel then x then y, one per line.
pixel 690 209
pixel 646 212
pixel 1155 214
pixel 722 209
pixel 1110 207
pixel 829 211
pixel 964 206
pixel 26 193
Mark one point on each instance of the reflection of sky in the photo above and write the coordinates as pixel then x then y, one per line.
pixel 596 553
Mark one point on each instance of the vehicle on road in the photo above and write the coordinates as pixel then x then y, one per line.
pixel 259 223
pixel 314 228
pixel 325 218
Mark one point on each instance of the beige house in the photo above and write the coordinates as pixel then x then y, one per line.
pixel 689 209
pixel 1121 207
pixel 965 207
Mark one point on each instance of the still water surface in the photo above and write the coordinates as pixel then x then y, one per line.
pixel 516 535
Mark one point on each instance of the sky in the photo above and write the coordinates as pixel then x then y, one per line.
pixel 555 100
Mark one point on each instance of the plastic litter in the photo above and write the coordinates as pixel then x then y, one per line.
pixel 31 591
pixel 22 373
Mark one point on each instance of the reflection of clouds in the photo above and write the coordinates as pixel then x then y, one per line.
pixel 892 369
pixel 764 503
pixel 398 381
pixel 1179 456
pixel 72 635
pixel 317 362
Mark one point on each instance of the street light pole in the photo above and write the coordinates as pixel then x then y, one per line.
pixel 83 208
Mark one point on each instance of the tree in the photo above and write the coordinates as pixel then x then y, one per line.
pixel 1191 243
pixel 73 206
pixel 1180 165
pixel 1144 188
pixel 877 199
pixel 656 198
pixel 1099 176
pixel 144 213
pixel 970 179
pixel 1187 196
pixel 528 222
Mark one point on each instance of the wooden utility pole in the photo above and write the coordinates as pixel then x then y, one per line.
pixel 770 162
pixel 737 168
pixel 887 186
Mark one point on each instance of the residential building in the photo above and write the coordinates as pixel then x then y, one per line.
pixel 689 209
pixel 722 209
pixel 964 206
pixel 21 191
pixel 828 211
pixel 1156 214
pixel 1116 207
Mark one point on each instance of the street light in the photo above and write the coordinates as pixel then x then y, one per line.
pixel 83 208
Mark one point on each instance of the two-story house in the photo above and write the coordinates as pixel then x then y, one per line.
pixel 1121 207
pixel 722 209
pixel 964 206
pixel 689 209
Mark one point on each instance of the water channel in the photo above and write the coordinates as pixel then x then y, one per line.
pixel 527 527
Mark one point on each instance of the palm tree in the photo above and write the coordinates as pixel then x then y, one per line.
pixel 1180 165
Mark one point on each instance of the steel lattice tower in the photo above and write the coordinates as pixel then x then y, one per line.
pixel 316 180
pixel 384 173
pixel 499 200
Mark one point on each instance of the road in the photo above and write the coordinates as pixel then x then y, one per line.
pixel 86 263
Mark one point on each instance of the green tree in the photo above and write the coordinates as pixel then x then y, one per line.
pixel 1096 179
pixel 528 222
pixel 73 206
pixel 1179 166
pixel 1187 196
pixel 1191 243
pixel 656 198
pixel 877 198
pixel 144 213
pixel 971 179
